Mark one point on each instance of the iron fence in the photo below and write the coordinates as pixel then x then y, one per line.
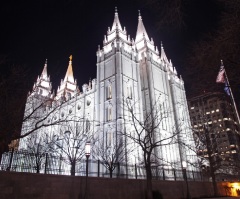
pixel 20 161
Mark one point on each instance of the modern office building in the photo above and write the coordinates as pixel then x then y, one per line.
pixel 215 124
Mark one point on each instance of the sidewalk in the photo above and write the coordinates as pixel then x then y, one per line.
pixel 233 197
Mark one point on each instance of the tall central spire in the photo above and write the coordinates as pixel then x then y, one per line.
pixel 141 31
pixel 44 72
pixel 114 34
pixel 116 22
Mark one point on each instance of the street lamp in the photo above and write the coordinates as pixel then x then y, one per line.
pixel 184 167
pixel 87 154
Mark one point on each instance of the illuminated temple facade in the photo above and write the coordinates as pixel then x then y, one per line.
pixel 131 70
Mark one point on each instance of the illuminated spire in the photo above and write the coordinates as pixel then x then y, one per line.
pixel 116 22
pixel 163 54
pixel 44 72
pixel 68 86
pixel 141 31
pixel 43 86
pixel 69 74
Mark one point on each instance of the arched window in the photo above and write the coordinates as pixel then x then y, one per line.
pixel 87 125
pixel 109 91
pixel 129 91
pixel 109 112
pixel 109 138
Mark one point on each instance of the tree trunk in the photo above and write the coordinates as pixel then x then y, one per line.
pixel 210 152
pixel 73 169
pixel 1 153
pixel 111 173
pixel 149 181
pixel 38 168
pixel 214 183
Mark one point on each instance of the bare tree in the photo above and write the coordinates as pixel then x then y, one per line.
pixel 70 144
pixel 38 146
pixel 13 89
pixel 110 154
pixel 207 151
pixel 146 134
pixel 23 114
pixel 220 42
pixel 214 162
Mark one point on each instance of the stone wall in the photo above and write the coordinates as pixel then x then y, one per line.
pixel 40 186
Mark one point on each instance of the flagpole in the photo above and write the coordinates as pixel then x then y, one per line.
pixel 231 95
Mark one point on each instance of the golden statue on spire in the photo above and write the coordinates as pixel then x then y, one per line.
pixel 70 57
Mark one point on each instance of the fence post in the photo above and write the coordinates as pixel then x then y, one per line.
pixel 135 171
pixel 60 165
pixel 126 170
pixel 163 173
pixel 118 169
pixel 46 162
pixel 98 169
pixel 174 173
pixel 156 173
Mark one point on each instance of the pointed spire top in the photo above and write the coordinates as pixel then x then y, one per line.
pixel 43 85
pixel 141 31
pixel 163 54
pixel 69 74
pixel 221 62
pixel 139 15
pixel 44 72
pixel 116 22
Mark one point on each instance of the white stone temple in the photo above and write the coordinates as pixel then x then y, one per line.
pixel 129 71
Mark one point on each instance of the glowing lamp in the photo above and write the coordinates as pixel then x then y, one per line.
pixel 184 164
pixel 87 149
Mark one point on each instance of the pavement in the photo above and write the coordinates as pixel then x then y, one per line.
pixel 233 197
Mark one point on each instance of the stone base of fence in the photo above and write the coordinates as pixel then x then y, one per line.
pixel 41 186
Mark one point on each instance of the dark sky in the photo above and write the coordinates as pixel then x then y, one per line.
pixel 35 30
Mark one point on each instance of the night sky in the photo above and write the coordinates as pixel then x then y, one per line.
pixel 32 31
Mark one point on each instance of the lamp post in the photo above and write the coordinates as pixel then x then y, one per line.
pixel 87 154
pixel 184 167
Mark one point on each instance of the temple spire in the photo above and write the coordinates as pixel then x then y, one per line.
pixel 68 86
pixel 116 22
pixel 43 86
pixel 163 54
pixel 44 72
pixel 69 74
pixel 141 31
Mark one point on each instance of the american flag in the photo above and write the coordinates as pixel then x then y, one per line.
pixel 227 88
pixel 220 77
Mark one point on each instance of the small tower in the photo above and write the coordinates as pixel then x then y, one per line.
pixel 142 41
pixel 68 87
pixel 43 86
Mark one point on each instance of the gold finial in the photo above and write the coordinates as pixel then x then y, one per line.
pixel 70 57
